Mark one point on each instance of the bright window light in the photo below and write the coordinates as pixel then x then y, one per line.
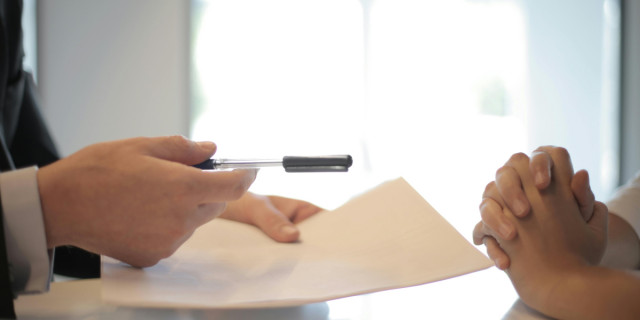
pixel 439 92
pixel 282 77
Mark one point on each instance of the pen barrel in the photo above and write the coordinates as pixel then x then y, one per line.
pixel 222 164
pixel 340 163
pixel 245 164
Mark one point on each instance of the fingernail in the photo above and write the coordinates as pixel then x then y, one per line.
pixel 288 230
pixel 498 263
pixel 519 208
pixel 539 178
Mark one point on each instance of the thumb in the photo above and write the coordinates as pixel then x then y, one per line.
pixel 180 149
pixel 583 194
pixel 600 219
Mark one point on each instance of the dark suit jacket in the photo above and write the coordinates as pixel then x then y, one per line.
pixel 25 141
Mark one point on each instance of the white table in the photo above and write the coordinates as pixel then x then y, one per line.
pixel 485 294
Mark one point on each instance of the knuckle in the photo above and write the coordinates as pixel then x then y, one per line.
pixel 502 170
pixel 478 234
pixel 518 157
pixel 505 179
pixel 179 141
pixel 141 140
pixel 485 213
pixel 483 203
pixel 190 186
pixel 136 143
pixel 182 188
pixel 560 152
pixel 488 189
pixel 544 148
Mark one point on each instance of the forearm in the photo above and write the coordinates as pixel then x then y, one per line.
pixel 595 293
pixel 623 247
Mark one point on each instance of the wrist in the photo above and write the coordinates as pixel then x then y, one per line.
pixel 52 221
pixel 564 291
pixel 542 285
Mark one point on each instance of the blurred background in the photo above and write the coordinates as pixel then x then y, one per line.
pixel 439 92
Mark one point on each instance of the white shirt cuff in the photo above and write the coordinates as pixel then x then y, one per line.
pixel 29 261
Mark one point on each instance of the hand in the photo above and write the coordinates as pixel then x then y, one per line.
pixel 507 192
pixel 136 200
pixel 274 215
pixel 553 241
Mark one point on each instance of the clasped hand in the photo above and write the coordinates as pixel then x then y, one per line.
pixel 540 221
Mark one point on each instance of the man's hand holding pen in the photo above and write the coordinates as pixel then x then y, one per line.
pixel 138 200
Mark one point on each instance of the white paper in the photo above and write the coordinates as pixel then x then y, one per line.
pixel 387 238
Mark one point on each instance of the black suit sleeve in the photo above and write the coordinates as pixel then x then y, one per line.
pixel 6 295
pixel 33 145
pixel 25 141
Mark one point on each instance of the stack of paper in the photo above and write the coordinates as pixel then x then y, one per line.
pixel 387 238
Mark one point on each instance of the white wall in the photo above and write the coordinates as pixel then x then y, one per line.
pixel 113 69
pixel 630 92
pixel 573 67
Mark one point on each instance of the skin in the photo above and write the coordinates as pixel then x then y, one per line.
pixel 623 249
pixel 275 216
pixel 555 248
pixel 138 200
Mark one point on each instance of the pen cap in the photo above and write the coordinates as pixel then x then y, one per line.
pixel 340 163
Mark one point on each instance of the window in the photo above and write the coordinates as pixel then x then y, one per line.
pixel 29 32
pixel 282 77
pixel 440 92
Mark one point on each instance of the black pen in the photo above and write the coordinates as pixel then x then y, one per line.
pixel 338 163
